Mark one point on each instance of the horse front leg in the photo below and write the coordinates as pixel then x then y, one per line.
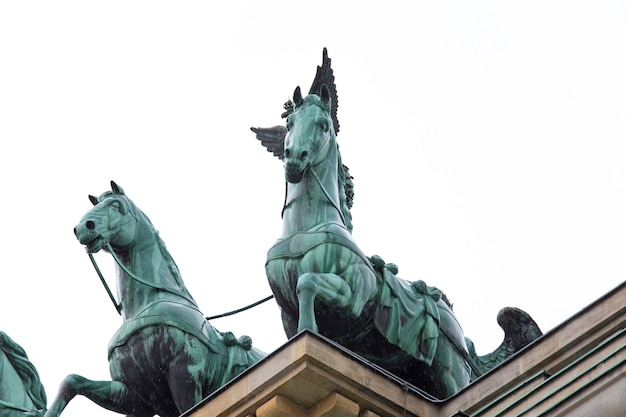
pixel 112 395
pixel 330 288
pixel 306 290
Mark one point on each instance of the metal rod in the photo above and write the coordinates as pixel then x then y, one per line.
pixel 118 307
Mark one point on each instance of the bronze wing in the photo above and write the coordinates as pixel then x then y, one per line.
pixel 273 138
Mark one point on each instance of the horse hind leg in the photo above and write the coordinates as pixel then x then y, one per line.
pixel 188 378
pixel 112 395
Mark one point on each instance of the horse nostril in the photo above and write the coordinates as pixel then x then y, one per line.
pixel 287 153
pixel 303 155
pixel 75 232
pixel 90 225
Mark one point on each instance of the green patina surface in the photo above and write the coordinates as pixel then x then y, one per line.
pixel 21 391
pixel 324 283
pixel 166 357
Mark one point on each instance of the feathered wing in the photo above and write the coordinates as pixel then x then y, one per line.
pixel 325 76
pixel 273 138
pixel 519 331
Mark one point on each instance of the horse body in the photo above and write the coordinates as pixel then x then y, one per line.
pixel 166 357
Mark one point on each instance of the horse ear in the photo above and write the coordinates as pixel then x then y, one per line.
pixel 94 200
pixel 325 95
pixel 116 188
pixel 297 96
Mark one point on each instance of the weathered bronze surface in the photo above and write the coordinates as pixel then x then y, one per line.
pixel 324 283
pixel 166 356
pixel 21 392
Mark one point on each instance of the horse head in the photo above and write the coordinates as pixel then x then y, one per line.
pixel 310 133
pixel 112 220
pixel 308 140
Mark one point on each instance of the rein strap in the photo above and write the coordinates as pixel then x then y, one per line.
pixel 319 182
pixel 118 306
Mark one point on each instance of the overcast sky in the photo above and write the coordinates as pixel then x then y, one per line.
pixel 486 139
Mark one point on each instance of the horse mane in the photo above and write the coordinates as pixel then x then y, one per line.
pixel 344 179
pixel 345 183
pixel 167 256
pixel 324 76
pixel 25 369
pixel 138 213
pixel 181 289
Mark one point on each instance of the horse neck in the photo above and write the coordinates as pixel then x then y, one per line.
pixel 154 276
pixel 315 199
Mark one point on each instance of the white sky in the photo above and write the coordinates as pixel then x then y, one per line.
pixel 487 141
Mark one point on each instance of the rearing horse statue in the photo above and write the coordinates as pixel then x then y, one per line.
pixel 166 357
pixel 324 283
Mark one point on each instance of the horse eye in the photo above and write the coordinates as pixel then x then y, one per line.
pixel 324 126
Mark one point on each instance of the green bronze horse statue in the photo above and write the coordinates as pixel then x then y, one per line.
pixel 324 283
pixel 166 357
pixel 21 391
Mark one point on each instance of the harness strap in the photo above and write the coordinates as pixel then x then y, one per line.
pixel 343 219
pixel 284 248
pixel 239 310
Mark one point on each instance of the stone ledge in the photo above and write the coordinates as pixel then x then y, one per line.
pixel 578 365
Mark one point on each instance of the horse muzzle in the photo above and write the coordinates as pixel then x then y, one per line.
pixel 88 237
pixel 294 171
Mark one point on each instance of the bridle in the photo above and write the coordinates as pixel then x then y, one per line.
pixel 118 306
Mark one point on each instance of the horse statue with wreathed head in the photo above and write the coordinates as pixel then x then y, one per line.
pixel 166 357
pixel 21 391
pixel 324 283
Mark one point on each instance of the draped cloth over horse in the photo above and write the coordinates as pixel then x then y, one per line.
pixel 21 391
pixel 324 283
pixel 166 357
